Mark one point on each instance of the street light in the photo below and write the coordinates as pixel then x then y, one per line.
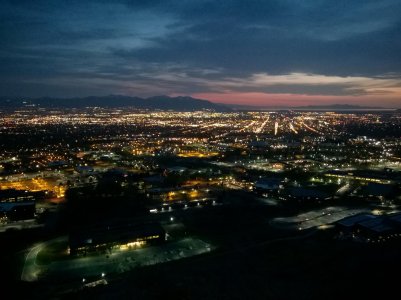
pixel 103 274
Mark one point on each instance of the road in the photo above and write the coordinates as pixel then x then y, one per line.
pixel 31 270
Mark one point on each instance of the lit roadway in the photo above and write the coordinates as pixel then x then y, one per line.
pixel 293 129
pixel 310 128
pixel 275 128
pixel 19 225
pixel 31 270
pixel 259 130
pixel 249 125
pixel 344 189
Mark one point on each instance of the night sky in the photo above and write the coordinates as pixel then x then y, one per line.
pixel 283 52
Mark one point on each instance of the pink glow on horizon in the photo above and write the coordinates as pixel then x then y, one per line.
pixel 283 100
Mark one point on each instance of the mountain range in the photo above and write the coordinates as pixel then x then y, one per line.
pixel 116 101
pixel 180 103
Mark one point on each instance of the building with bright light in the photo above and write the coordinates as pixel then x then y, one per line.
pixel 18 205
pixel 115 237
pixel 370 228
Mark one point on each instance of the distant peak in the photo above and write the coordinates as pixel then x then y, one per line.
pixel 162 102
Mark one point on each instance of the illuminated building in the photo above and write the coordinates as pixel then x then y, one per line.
pixel 114 237
pixel 370 228
pixel 18 205
pixel 268 184
pixel 368 176
pixel 305 194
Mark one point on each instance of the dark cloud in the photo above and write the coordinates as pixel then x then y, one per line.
pixel 184 46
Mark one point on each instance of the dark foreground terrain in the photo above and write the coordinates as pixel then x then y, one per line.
pixel 310 265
